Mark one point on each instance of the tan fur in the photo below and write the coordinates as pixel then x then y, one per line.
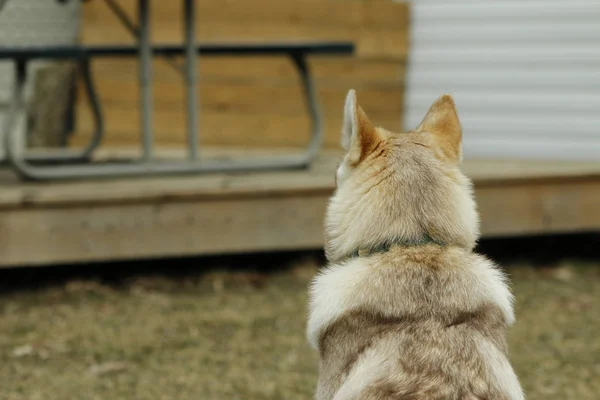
pixel 416 321
pixel 442 123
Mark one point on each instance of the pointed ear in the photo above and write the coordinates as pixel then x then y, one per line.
pixel 443 123
pixel 359 136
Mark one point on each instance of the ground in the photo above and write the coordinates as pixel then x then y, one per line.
pixel 240 334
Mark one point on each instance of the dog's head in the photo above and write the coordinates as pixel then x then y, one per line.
pixel 400 186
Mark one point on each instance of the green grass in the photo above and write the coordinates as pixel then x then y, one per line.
pixel 233 335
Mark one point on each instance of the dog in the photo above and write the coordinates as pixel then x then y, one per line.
pixel 405 309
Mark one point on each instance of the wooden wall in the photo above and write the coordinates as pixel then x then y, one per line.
pixel 253 101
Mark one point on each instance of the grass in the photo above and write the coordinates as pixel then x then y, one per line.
pixel 240 335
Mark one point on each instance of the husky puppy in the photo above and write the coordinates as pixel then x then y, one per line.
pixel 404 309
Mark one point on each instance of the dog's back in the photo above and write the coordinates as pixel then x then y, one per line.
pixel 405 310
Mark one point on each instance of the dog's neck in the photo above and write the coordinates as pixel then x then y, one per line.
pixel 387 245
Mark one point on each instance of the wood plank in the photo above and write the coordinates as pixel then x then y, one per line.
pixel 223 213
pixel 157 230
pixel 310 13
pixel 218 128
pixel 382 44
pixel 218 33
pixel 319 177
pixel 385 14
pixel 221 128
pixel 268 20
pixel 249 97
pixel 396 47
pixel 382 99
pixel 526 208
pixel 325 70
pixel 306 12
pixel 17 194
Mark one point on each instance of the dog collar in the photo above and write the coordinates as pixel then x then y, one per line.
pixel 386 246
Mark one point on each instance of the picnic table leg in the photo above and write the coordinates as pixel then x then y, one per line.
pixel 191 78
pixel 145 74
pixel 12 156
pixel 94 104
pixel 312 105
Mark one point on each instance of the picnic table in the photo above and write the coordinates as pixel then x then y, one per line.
pixel 65 164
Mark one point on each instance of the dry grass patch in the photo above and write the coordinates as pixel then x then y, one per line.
pixel 241 336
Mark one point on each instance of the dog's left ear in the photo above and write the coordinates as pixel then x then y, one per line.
pixel 443 123
pixel 359 136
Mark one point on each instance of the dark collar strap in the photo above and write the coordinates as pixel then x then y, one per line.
pixel 385 247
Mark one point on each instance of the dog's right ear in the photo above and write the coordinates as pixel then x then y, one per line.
pixel 442 122
pixel 359 136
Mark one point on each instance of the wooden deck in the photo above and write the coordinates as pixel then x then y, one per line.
pixel 101 220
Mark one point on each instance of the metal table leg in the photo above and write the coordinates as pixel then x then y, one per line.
pixel 145 74
pixel 312 105
pixel 189 16
pixel 94 104
pixel 15 106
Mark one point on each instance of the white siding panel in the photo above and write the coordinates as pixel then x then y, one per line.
pixel 520 104
pixel 512 10
pixel 503 54
pixel 474 32
pixel 525 74
pixel 516 78
pixel 523 147
pixel 533 127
